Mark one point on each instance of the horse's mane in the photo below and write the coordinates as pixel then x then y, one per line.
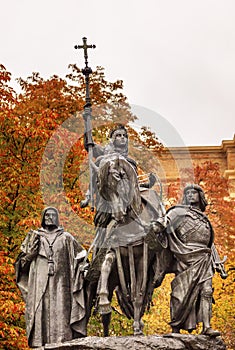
pixel 128 179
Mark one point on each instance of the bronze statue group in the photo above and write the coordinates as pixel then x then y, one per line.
pixel 136 244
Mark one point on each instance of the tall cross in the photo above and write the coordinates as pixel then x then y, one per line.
pixel 85 47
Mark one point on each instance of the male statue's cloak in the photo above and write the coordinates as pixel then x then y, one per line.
pixel 55 304
pixel 190 236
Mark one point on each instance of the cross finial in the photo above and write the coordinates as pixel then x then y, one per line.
pixel 85 47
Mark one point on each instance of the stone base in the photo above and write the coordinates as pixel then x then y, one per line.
pixel 153 342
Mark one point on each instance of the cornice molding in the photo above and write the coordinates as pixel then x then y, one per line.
pixel 226 145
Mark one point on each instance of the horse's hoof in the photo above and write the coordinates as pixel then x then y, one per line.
pixel 141 325
pixel 105 309
pixel 138 328
pixel 138 332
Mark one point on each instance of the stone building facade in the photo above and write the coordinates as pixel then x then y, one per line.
pixel 174 160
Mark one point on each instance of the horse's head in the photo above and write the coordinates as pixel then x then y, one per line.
pixel 118 185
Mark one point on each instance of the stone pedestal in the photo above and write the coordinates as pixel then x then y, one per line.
pixel 153 342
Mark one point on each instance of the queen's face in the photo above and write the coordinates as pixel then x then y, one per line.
pixel 120 138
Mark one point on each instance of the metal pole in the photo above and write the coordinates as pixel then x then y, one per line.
pixel 87 113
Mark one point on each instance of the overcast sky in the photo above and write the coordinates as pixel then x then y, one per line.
pixel 176 57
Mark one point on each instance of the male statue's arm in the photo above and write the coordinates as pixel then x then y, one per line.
pixel 29 249
pixel 156 233
pixel 96 149
pixel 169 220
pixel 159 229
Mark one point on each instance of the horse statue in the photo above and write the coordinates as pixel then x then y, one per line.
pixel 126 258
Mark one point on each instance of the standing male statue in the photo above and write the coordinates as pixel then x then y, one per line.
pixel 49 277
pixel 190 236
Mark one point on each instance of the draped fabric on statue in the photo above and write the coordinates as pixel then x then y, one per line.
pixel 51 299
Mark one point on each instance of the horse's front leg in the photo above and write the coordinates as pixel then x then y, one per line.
pixel 140 290
pixel 104 305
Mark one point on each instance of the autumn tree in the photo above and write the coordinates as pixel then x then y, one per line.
pixel 11 305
